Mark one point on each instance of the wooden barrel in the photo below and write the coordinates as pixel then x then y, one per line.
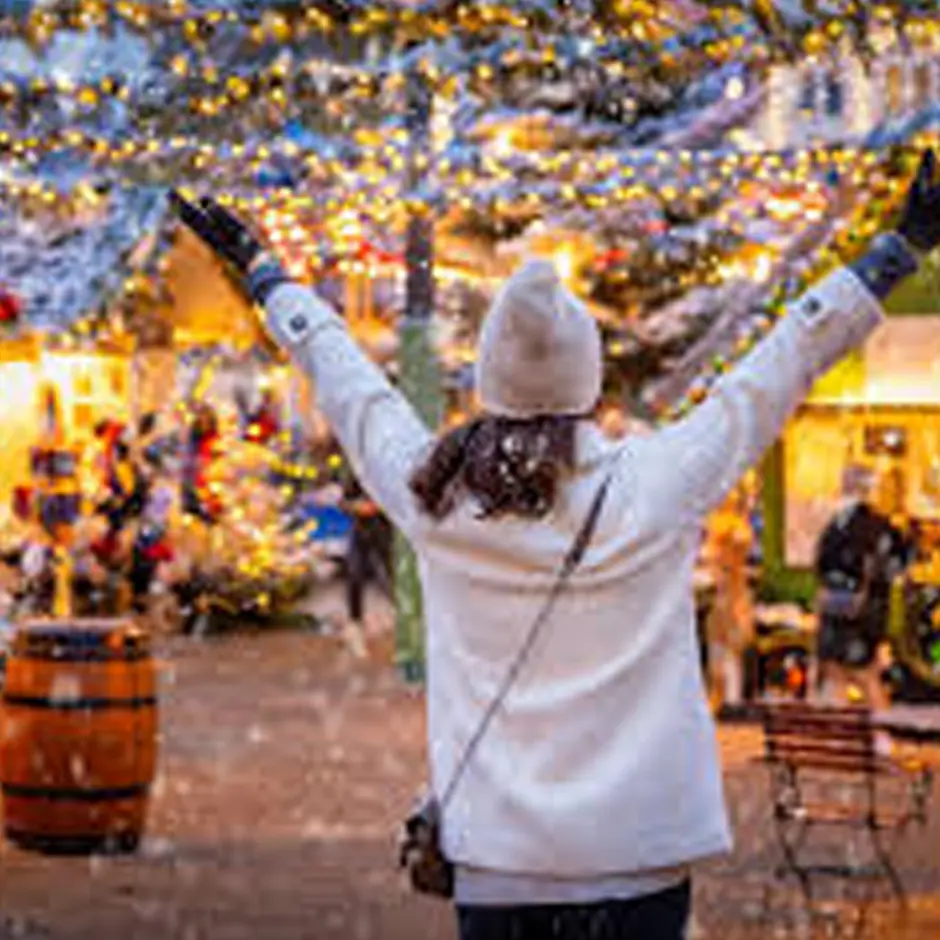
pixel 78 736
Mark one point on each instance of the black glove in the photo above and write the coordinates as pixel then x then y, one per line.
pixel 220 230
pixel 920 223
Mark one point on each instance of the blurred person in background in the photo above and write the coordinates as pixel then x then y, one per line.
pixel 730 626
pixel 368 558
pixel 860 553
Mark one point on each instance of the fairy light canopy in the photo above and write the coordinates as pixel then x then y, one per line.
pixel 620 121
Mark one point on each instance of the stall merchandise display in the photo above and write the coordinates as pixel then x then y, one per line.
pixel 198 514
pixel 915 634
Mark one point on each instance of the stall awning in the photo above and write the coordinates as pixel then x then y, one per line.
pixel 899 366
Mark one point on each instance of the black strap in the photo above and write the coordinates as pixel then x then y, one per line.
pixel 573 558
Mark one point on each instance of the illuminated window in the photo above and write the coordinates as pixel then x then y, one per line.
pixel 923 83
pixel 808 94
pixel 894 89
pixel 117 379
pixel 83 383
pixel 83 419
pixel 835 95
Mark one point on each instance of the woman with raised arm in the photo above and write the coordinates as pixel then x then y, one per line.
pixel 596 786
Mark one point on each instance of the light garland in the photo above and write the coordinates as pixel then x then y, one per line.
pixel 433 20
pixel 295 85
pixel 851 238
pixel 568 176
pixel 467 176
pixel 291 219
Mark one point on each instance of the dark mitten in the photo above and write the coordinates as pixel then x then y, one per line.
pixel 220 230
pixel 240 245
pixel 891 259
pixel 920 223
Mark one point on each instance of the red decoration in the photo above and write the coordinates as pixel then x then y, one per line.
pixel 160 551
pixel 23 502
pixel 369 251
pixel 609 259
pixel 10 307
pixel 107 548
pixel 264 424
pixel 208 450
pixel 655 226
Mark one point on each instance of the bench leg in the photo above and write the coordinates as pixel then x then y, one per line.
pixel 791 844
pixel 887 864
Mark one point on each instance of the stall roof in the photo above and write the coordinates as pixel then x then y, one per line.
pixel 898 367
pixel 206 305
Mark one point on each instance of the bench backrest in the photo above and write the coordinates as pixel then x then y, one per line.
pixel 820 738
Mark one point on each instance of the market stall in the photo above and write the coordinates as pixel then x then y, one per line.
pixel 879 410
pixel 174 435
pixel 85 385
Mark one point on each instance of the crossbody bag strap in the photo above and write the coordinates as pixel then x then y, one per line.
pixel 572 559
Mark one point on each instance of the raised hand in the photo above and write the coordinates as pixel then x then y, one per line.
pixel 920 223
pixel 223 232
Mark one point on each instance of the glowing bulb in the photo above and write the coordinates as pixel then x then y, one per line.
pixel 763 268
pixel 565 263
pixel 734 90
pixel 502 142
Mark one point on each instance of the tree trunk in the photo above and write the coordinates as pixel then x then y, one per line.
pixel 420 379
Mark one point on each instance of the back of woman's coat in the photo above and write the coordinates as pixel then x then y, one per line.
pixel 604 758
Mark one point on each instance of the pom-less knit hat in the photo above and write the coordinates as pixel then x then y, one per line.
pixel 539 349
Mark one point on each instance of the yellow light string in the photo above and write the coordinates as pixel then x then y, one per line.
pixel 639 21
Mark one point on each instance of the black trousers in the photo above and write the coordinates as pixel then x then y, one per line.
pixel 660 916
pixel 366 559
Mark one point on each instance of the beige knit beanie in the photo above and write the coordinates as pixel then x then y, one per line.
pixel 539 349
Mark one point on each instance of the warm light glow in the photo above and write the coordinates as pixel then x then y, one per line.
pixel 763 268
pixel 502 142
pixel 565 263
pixel 735 89
pixel 347 226
pixel 17 386
pixel 901 367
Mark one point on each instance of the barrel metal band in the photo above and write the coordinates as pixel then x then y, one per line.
pixel 80 704
pixel 97 795
pixel 57 655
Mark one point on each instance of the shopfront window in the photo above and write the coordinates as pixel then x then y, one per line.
pixel 894 90
pixel 923 83
pixel 884 416
pixel 901 446
pixel 835 95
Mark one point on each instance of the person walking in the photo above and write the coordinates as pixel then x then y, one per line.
pixel 859 555
pixel 731 624
pixel 597 786
pixel 368 559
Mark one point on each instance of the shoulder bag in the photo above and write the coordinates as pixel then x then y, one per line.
pixel 421 853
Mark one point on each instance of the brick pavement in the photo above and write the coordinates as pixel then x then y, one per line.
pixel 285 765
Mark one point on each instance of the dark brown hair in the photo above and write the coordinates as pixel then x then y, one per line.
pixel 508 465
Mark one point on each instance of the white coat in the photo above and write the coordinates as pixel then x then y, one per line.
pixel 604 759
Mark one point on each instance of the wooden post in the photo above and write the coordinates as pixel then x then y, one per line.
pixel 62 580
pixel 420 379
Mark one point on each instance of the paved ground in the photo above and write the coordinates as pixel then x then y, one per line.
pixel 285 766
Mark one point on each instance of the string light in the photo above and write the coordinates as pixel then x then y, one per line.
pixel 490 178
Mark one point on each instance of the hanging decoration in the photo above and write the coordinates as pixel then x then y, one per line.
pixel 10 308
pixel 612 120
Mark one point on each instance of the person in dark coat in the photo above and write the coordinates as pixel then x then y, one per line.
pixel 859 554
pixel 368 557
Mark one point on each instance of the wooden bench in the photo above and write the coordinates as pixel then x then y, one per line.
pixel 816 747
